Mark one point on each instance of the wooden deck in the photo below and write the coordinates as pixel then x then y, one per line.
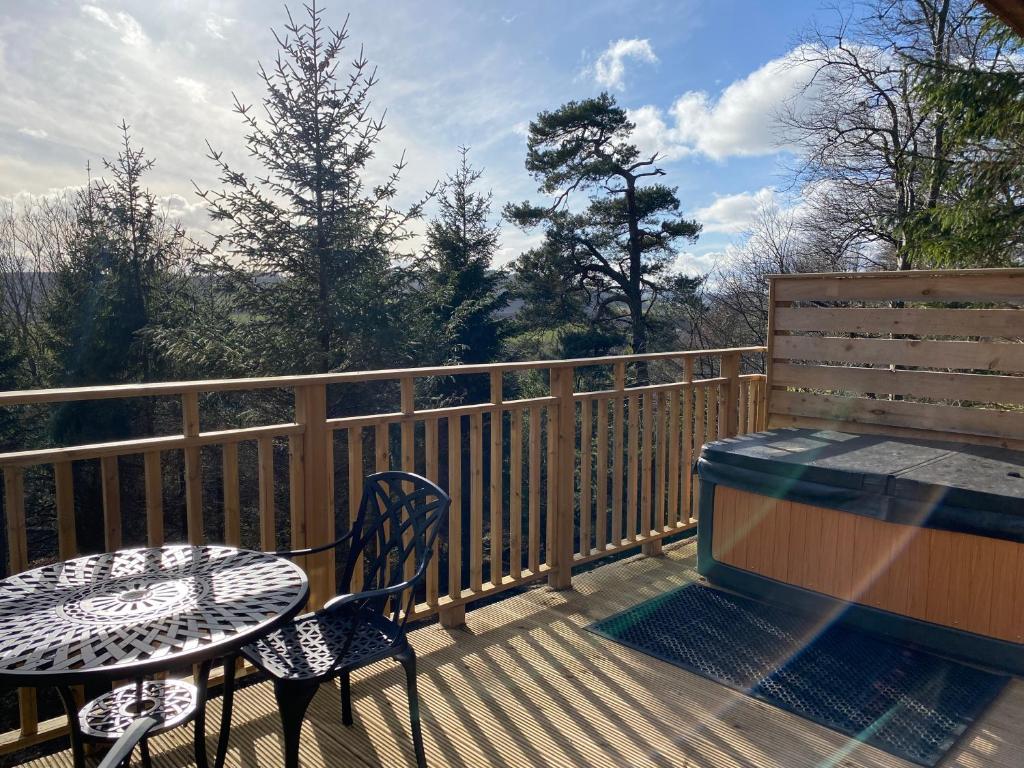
pixel 525 685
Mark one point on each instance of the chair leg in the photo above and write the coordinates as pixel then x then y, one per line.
pixel 293 699
pixel 144 753
pixel 345 683
pixel 407 659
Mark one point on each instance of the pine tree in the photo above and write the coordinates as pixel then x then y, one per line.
pixel 308 247
pixel 618 250
pixel 463 294
pixel 119 276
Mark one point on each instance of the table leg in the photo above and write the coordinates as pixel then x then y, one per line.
pixel 74 731
pixel 200 723
pixel 225 717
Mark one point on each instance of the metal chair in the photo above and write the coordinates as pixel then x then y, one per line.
pixel 120 753
pixel 397 524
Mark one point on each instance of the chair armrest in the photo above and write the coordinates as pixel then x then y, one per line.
pixel 129 739
pixel 371 594
pixel 290 553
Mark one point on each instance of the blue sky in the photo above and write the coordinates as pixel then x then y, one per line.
pixel 701 78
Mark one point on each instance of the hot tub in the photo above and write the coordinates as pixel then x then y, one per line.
pixel 915 539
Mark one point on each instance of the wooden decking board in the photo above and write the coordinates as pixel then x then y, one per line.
pixel 524 684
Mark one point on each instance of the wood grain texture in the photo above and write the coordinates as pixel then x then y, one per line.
pixel 525 684
pixel 954 579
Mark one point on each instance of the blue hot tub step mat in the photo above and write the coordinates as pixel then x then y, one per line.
pixel 910 703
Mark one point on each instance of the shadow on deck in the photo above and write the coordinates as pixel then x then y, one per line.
pixel 523 684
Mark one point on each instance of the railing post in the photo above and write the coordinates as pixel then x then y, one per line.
pixel 731 370
pixel 314 518
pixel 564 474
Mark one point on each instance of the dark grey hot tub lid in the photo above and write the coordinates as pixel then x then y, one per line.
pixel 948 485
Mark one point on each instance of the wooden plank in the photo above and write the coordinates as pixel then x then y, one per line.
pixel 232 502
pixel 476 503
pixel 455 514
pixel 484 706
pixel 958 355
pixel 1006 581
pixel 661 453
pixel 688 503
pixel 618 460
pixel 918 556
pixel 901 413
pixel 296 497
pixel 111 489
pixel 938 609
pixel 408 447
pixel 904 286
pixel 268 522
pixel 586 473
pixel 551 481
pixel 355 495
pixel 64 487
pixel 633 484
pixel 910 321
pixel 14 507
pixel 729 396
pixel 560 576
pixel 534 485
pixel 496 535
pixel 431 465
pixel 154 482
pixel 980 579
pixel 17 560
pixel 938 385
pixel 193 469
pixel 381 448
pixel 515 494
pixel 675 514
pixel 646 463
pixel 601 511
pixel 743 418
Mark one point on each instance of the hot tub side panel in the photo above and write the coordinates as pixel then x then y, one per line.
pixel 953 592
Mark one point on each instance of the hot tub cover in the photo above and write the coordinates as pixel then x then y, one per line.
pixel 952 486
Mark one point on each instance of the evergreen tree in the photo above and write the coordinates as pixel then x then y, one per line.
pixel 118 278
pixel 308 245
pixel 463 293
pixel 982 184
pixel 618 250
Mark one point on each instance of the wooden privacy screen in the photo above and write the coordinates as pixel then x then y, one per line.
pixel 921 354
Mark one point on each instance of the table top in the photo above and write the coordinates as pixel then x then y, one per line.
pixel 137 611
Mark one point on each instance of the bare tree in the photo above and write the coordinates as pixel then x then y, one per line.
pixel 866 137
pixel 34 238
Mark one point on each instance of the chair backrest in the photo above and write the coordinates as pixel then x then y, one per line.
pixel 399 519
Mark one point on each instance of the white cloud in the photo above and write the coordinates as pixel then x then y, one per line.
pixel 734 214
pixel 215 26
pixel 130 29
pixel 610 68
pixel 742 120
pixel 195 90
pixel 35 133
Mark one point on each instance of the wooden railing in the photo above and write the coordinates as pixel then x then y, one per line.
pixel 554 480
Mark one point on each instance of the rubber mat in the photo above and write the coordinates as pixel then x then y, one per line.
pixel 910 703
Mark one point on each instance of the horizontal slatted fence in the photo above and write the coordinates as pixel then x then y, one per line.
pixel 538 484
pixel 930 354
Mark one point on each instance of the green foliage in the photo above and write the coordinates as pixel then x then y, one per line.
pixel 608 261
pixel 307 246
pixel 461 294
pixel 982 220
pixel 118 278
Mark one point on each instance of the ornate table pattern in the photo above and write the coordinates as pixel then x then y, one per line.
pixel 132 613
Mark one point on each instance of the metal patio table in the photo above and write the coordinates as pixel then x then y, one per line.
pixel 130 614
